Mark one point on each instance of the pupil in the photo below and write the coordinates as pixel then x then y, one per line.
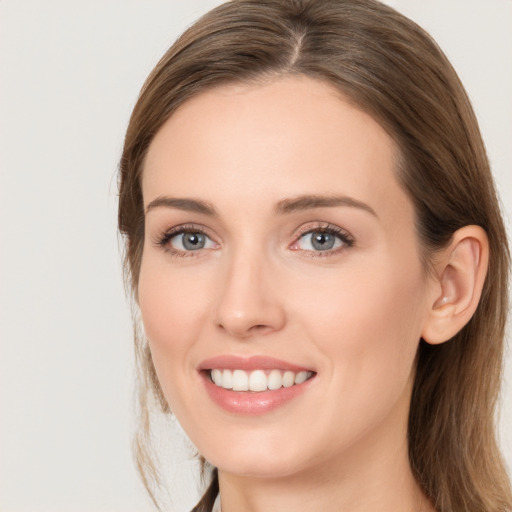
pixel 193 241
pixel 322 241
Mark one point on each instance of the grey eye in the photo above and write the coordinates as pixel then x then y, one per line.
pixel 190 241
pixel 322 241
pixel 319 241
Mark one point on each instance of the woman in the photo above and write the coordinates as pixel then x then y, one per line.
pixel 315 245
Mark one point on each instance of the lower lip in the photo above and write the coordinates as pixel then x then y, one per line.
pixel 253 403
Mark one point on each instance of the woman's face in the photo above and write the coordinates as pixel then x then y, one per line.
pixel 280 253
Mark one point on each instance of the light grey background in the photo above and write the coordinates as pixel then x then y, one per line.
pixel 70 73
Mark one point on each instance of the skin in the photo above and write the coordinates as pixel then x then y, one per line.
pixel 354 314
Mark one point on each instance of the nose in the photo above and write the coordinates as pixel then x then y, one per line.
pixel 249 300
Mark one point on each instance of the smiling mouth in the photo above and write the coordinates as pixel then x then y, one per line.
pixel 257 380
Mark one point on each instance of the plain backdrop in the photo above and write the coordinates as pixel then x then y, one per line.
pixel 70 73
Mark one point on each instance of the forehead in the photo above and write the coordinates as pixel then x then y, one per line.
pixel 260 142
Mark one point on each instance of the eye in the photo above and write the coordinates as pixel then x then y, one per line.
pixel 319 241
pixel 190 241
pixel 327 239
pixel 185 240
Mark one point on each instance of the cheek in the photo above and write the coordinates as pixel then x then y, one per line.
pixel 173 310
pixel 368 322
pixel 369 330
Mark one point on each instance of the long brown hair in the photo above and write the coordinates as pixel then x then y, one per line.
pixel 390 68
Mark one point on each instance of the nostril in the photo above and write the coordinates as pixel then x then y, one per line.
pixel 244 330
pixel 246 314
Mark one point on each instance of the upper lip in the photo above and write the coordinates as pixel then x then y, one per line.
pixel 248 363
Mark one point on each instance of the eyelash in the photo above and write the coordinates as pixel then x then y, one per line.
pixel 329 229
pixel 163 240
pixel 344 236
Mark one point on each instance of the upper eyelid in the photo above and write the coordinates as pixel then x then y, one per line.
pixel 324 226
pixel 342 234
pixel 163 237
pixel 188 228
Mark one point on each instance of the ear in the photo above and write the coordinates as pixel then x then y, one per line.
pixel 460 271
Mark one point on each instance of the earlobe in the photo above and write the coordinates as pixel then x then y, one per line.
pixel 461 269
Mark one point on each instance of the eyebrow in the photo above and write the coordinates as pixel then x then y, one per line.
pixel 186 204
pixel 285 206
pixel 308 202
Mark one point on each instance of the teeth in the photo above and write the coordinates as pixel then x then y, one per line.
pixel 217 377
pixel 302 377
pixel 240 381
pixel 257 380
pixel 275 381
pixel 227 379
pixel 288 379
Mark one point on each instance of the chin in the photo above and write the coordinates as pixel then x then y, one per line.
pixel 261 467
pixel 256 459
